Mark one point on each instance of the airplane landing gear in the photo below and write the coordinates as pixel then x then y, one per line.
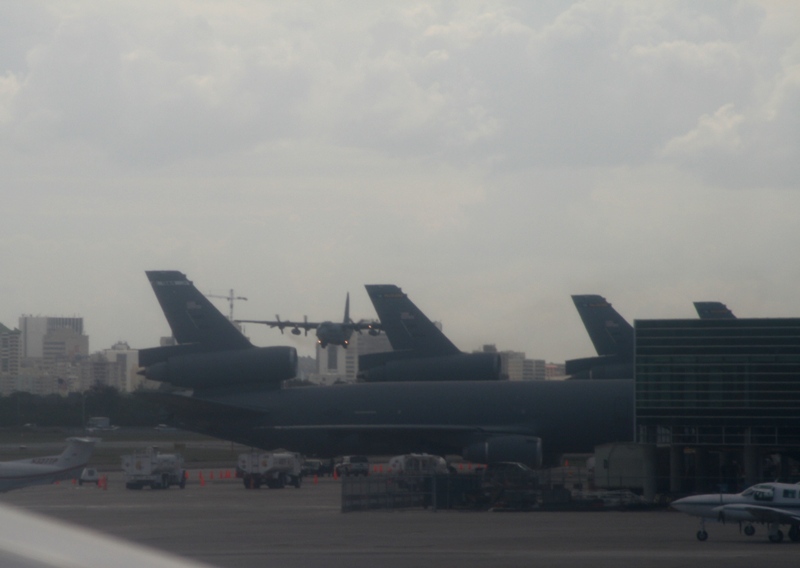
pixel 749 530
pixel 702 535
pixel 776 536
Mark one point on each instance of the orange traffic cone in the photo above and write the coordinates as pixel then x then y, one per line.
pixel 316 479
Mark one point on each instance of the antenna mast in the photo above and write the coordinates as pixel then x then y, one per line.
pixel 231 297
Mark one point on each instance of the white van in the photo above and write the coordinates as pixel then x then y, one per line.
pixel 417 464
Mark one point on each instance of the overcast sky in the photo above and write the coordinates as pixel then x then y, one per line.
pixel 491 158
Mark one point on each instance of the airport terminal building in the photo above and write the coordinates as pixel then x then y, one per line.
pixel 719 399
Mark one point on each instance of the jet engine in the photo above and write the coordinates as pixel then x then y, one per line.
pixel 522 449
pixel 395 367
pixel 256 366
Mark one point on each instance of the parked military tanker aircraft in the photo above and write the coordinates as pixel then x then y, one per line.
pixel 713 310
pixel 421 352
pixel 226 387
pixel 328 332
pixel 612 337
pixel 47 469
pixel 771 504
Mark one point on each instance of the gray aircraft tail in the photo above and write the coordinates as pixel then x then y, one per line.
pixel 77 453
pixel 191 317
pixel 406 327
pixel 609 332
pixel 713 310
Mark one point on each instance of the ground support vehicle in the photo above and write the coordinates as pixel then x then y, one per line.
pixel 89 475
pixel 352 465
pixel 149 468
pixel 275 470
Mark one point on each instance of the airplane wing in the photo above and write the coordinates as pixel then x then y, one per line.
pixel 283 324
pixel 363 325
pixel 762 514
pixel 30 540
pixel 442 428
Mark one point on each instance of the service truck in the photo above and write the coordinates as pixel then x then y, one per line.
pixel 153 469
pixel 274 469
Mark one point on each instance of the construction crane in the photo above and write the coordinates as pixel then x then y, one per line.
pixel 231 297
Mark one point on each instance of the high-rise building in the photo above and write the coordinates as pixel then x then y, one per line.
pixel 52 338
pixel 127 363
pixel 9 359
pixel 515 366
pixel 337 363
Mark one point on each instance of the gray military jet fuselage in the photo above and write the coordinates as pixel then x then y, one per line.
pixel 478 419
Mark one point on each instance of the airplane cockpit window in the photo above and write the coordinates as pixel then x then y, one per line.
pixel 790 493
pixel 763 494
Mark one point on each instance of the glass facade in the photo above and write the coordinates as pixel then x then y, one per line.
pixel 728 382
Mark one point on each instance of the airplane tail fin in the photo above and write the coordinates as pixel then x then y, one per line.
pixel 406 327
pixel 191 317
pixel 609 332
pixel 77 452
pixel 347 310
pixel 713 310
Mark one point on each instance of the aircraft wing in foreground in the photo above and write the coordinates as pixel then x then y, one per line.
pixel 34 541
pixel 48 469
pixel 772 504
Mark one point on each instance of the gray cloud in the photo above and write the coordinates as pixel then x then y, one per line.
pixel 489 157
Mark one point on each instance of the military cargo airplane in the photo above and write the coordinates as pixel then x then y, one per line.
pixel 773 504
pixel 233 390
pixel 421 352
pixel 47 469
pixel 328 332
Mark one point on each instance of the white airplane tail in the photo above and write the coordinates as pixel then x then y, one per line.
pixel 76 454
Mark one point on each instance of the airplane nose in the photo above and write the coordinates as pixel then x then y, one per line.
pixel 681 504
pixel 694 505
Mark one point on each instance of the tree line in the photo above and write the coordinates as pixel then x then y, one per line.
pixel 73 410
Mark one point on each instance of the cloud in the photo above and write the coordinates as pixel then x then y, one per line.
pixel 490 157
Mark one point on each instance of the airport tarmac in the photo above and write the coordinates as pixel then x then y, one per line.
pixel 223 524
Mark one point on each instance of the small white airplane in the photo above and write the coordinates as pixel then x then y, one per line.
pixel 772 504
pixel 47 469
